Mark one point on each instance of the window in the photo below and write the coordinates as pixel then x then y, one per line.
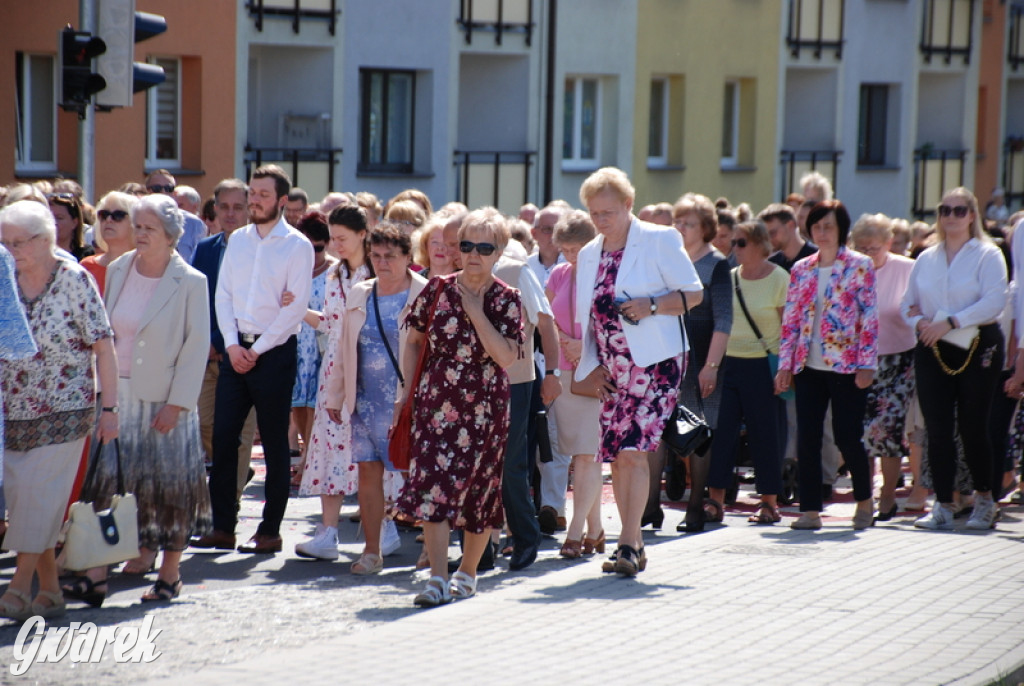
pixel 388 108
pixel 35 113
pixel 163 117
pixel 871 132
pixel 657 132
pixel 580 132
pixel 731 124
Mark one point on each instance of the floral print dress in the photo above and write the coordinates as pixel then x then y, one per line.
pixel 329 468
pixel 461 416
pixel 634 417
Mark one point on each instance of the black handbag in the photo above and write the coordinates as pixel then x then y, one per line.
pixel 687 433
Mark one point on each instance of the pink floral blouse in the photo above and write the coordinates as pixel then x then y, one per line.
pixel 849 324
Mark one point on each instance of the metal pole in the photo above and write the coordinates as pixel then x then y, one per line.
pixel 87 123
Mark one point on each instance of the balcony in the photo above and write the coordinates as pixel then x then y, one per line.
pixel 310 168
pixel 1015 41
pixel 296 10
pixel 935 172
pixel 947 29
pixel 1013 170
pixel 496 16
pixel 497 178
pixel 816 25
pixel 795 163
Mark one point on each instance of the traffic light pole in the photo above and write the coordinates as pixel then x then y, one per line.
pixel 87 122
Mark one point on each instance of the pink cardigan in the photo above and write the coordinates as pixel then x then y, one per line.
pixel 849 324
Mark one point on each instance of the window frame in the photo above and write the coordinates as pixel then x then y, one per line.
pixel 660 160
pixel 576 162
pixel 23 162
pixel 732 160
pixel 865 150
pixel 152 162
pixel 364 165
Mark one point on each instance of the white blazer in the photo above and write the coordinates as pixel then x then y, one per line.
pixel 654 263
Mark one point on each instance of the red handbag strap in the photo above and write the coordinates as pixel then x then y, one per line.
pixel 415 381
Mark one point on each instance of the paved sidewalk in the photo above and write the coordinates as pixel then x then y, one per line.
pixel 738 604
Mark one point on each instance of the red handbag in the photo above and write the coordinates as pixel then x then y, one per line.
pixel 400 442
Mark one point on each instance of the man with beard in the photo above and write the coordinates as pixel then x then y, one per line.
pixel 262 260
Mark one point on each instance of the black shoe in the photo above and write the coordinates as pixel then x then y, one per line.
pixel 547 518
pixel 655 518
pixel 675 480
pixel 486 563
pixel 523 557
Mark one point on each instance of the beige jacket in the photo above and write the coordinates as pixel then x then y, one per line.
pixel 341 384
pixel 173 339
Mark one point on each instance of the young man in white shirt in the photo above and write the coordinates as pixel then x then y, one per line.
pixel 262 260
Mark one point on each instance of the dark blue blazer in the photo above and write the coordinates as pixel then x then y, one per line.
pixel 207 259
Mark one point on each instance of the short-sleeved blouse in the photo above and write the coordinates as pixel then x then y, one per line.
pixel 562 284
pixel 50 397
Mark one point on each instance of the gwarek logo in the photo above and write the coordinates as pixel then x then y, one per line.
pixel 82 643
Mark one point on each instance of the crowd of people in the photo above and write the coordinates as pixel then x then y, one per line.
pixel 146 342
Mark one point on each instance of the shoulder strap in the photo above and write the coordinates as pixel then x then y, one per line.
pixel 97 453
pixel 690 355
pixel 746 312
pixel 383 335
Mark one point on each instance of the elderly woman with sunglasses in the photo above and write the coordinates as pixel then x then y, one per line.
pixel 956 293
pixel 471 324
pixel 114 234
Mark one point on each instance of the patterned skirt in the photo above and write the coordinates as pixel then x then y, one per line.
pixel 889 397
pixel 164 471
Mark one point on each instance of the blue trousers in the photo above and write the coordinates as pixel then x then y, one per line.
pixel 520 512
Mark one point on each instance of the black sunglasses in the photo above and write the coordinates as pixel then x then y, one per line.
pixel 160 189
pixel 484 249
pixel 959 211
pixel 116 215
pixel 739 242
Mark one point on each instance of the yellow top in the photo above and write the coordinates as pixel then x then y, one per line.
pixel 764 297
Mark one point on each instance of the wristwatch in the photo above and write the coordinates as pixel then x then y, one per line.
pixel 112 409
pixel 654 306
pixel 557 373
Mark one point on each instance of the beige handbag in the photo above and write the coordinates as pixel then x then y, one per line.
pixel 96 539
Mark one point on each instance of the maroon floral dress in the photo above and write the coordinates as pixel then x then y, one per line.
pixel 461 416
pixel 634 417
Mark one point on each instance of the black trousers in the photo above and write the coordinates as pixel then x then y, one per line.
pixel 960 403
pixel 268 388
pixel 815 389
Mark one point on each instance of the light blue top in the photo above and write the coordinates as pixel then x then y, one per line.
pixel 15 336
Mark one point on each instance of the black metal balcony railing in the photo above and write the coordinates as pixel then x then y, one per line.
pixel 935 172
pixel 314 9
pixel 796 163
pixel 947 29
pixel 1013 170
pixel 294 158
pixel 817 25
pixel 1015 42
pixel 494 170
pixel 498 21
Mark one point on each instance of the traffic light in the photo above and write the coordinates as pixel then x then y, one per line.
pixel 78 83
pixel 122 27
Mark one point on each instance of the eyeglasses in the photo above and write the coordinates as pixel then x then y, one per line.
pixel 483 249
pixel 958 211
pixel 387 257
pixel 739 242
pixel 18 245
pixel 116 215
pixel 160 189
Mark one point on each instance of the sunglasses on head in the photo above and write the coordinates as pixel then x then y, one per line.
pixel 958 211
pixel 484 249
pixel 160 189
pixel 739 242
pixel 116 215
pixel 70 197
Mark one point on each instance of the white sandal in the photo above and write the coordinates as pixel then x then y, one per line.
pixel 368 563
pixel 462 585
pixel 436 593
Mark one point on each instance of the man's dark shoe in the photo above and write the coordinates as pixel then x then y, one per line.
pixel 262 543
pixel 219 540
pixel 548 520
pixel 523 558
pixel 486 561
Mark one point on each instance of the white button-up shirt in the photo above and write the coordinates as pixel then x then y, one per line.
pixel 255 272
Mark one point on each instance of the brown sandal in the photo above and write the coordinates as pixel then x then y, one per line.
pixel 766 514
pixel 571 549
pixel 591 545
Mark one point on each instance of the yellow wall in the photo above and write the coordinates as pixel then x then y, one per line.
pixel 686 39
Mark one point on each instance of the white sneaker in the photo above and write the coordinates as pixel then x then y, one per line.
pixel 390 541
pixel 941 517
pixel 984 515
pixel 323 545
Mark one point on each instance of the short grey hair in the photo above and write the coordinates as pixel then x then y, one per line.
pixel 171 218
pixel 189 193
pixel 34 217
